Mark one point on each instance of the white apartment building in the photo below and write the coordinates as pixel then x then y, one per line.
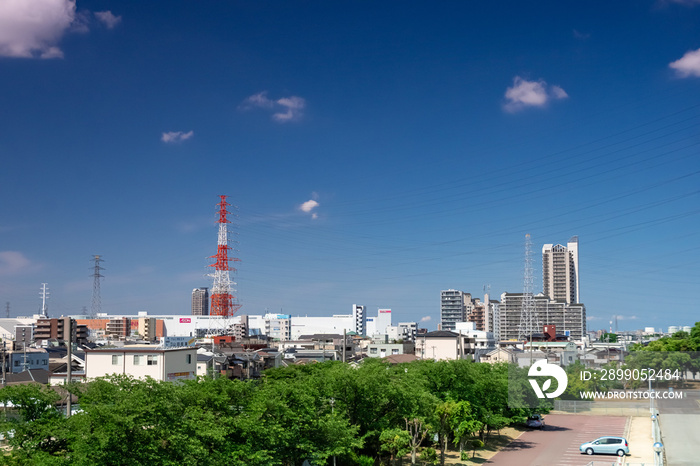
pixel 480 341
pixel 360 315
pixel 278 326
pixel 405 331
pixel 141 362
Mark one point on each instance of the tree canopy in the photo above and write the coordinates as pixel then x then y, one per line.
pixel 307 412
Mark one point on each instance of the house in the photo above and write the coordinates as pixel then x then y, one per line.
pixel 142 361
pixel 442 345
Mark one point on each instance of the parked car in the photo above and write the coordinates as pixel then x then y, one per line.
pixel 607 445
pixel 536 421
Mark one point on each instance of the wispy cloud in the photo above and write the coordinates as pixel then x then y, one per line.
pixel 176 136
pixel 108 19
pixel 426 319
pixel 683 2
pixel 581 35
pixel 688 64
pixel 525 94
pixel 294 107
pixel 16 263
pixel 32 28
pixel 284 109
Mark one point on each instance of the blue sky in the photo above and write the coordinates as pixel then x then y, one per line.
pixel 378 152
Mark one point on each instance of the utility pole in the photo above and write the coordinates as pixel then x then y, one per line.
pixel 69 370
pixel 44 296
pixel 4 353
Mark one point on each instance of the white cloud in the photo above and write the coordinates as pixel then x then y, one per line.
pixel 531 94
pixel 108 18
pixel 285 109
pixel 426 319
pixel 176 136
pixel 688 64
pixel 294 107
pixel 309 205
pixel 14 262
pixel 32 28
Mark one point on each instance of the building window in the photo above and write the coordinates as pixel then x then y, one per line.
pixel 116 359
pixel 152 360
pixel 373 351
pixel 138 359
pixel 188 359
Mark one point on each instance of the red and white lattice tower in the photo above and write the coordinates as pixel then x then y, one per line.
pixel 223 303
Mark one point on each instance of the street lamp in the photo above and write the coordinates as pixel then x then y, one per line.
pixel 331 400
pixel 658 448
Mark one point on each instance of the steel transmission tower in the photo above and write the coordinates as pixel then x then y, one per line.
pixel 223 302
pixel 528 316
pixel 96 306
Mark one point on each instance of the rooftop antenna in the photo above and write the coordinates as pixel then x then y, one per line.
pixel 44 296
pixel 96 306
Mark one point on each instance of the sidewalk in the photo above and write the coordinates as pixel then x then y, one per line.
pixel 640 441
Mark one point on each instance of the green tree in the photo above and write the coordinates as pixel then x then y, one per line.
pixel 38 433
pixel 395 442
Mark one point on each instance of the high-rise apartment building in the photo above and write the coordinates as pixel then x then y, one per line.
pixel 200 302
pixel 560 275
pixel 358 313
pixel 453 308
pixel 569 319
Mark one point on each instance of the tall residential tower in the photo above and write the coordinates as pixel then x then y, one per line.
pixel 200 301
pixel 560 275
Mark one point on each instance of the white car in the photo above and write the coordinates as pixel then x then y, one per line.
pixel 607 445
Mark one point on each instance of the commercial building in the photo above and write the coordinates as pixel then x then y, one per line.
pixel 200 301
pixel 560 273
pixel 378 325
pixel 336 324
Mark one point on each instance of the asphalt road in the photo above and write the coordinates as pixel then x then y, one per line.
pixel 680 429
pixel 558 443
